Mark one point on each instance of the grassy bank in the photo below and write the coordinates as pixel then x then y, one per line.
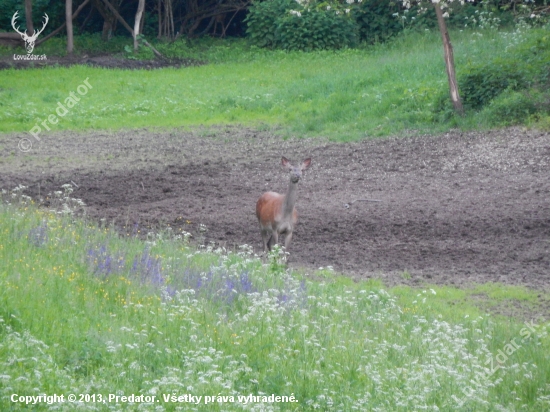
pixel 348 94
pixel 85 311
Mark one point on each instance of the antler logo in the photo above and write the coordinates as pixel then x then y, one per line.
pixel 29 40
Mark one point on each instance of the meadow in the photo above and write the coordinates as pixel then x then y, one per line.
pixel 84 310
pixel 344 95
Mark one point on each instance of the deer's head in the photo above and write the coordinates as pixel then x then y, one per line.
pixel 29 40
pixel 295 171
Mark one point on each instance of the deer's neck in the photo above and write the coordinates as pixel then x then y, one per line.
pixel 290 199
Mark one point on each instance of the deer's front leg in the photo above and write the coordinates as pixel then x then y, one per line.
pixel 288 239
pixel 274 238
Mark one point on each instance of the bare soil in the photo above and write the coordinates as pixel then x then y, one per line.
pixel 455 209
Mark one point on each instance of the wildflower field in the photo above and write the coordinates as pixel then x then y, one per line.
pixel 84 311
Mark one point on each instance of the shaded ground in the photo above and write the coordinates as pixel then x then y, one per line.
pixel 458 208
pixel 105 61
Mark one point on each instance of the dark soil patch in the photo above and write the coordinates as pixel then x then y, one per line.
pixel 455 209
pixel 104 61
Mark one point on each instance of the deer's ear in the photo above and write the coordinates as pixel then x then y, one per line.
pixel 285 162
pixel 306 163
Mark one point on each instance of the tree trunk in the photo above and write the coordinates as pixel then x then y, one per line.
pixel 53 33
pixel 107 30
pixel 449 61
pixel 69 23
pixel 119 17
pixel 130 30
pixel 160 18
pixel 141 6
pixel 109 20
pixel 172 26
pixel 28 17
pixel 168 20
pixel 11 40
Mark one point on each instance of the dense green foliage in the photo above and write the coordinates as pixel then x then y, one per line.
pixel 316 29
pixel 262 21
pixel 306 23
pixel 376 20
pixel 55 11
pixel 286 25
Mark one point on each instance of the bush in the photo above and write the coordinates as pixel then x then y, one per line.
pixel 483 83
pixel 512 107
pixel 287 25
pixel 262 20
pixel 315 29
pixel 524 68
pixel 347 21
pixel 376 20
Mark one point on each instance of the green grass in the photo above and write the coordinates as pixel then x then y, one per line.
pixel 83 310
pixel 347 94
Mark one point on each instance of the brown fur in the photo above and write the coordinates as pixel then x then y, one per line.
pixel 269 209
pixel 276 213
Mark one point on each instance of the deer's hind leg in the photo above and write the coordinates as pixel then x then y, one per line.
pixel 266 237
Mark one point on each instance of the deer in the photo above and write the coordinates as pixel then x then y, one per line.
pixel 29 40
pixel 276 213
